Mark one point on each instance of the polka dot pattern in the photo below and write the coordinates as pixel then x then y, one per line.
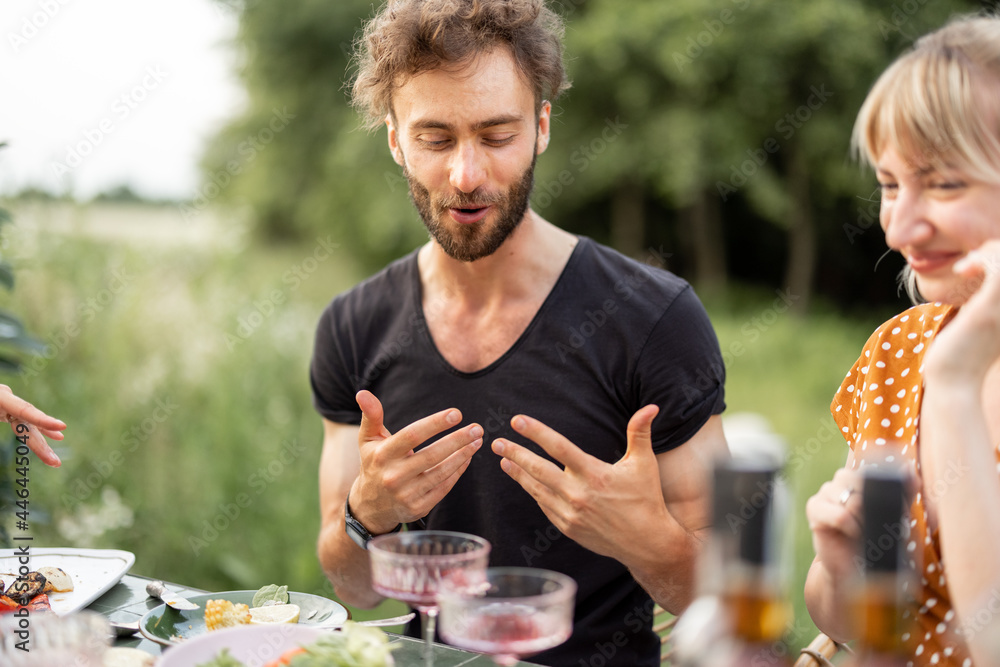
pixel 877 409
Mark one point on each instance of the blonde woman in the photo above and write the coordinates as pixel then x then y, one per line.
pixel 928 381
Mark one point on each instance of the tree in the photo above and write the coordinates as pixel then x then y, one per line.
pixel 298 156
pixel 703 125
pixel 727 105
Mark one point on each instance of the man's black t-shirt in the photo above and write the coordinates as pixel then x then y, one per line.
pixel 612 336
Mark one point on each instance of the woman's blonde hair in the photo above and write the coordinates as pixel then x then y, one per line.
pixel 939 105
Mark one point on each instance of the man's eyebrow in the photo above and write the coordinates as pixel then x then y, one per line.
pixel 431 124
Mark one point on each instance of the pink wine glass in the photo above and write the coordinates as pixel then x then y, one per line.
pixel 517 612
pixel 410 566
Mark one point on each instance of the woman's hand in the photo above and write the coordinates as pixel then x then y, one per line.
pixel 964 351
pixel 27 420
pixel 834 516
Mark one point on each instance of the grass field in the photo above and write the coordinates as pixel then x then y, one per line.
pixel 178 355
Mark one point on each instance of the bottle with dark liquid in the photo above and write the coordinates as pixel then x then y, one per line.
pixel 880 599
pixel 741 578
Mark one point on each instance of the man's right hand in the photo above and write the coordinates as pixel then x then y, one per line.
pixel 397 484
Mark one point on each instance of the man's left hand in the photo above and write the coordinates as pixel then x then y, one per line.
pixel 597 504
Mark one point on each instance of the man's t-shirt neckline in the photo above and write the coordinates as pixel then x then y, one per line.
pixel 417 294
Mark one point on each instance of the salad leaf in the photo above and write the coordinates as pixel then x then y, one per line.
pixel 222 660
pixel 355 646
pixel 270 593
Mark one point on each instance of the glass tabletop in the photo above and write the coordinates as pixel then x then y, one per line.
pixel 127 602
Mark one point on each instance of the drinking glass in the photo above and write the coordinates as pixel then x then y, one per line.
pixel 410 567
pixel 517 612
pixel 48 640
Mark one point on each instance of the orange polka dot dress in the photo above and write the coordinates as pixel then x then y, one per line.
pixel 877 409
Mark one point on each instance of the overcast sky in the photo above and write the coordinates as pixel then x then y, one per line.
pixel 99 93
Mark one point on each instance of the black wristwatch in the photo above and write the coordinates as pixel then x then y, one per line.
pixel 356 530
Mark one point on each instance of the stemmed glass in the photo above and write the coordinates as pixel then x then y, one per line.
pixel 517 612
pixel 79 639
pixel 410 566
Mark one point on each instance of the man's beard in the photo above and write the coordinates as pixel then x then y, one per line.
pixel 469 242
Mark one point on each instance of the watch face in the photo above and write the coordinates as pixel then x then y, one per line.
pixel 359 539
pixel 358 533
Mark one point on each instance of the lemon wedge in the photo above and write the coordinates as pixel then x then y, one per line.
pixel 275 613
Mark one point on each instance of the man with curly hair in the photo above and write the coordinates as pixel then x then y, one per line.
pixel 596 379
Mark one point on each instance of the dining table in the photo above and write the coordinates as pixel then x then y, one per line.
pixel 127 602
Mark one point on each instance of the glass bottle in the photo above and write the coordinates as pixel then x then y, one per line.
pixel 742 599
pixel 880 599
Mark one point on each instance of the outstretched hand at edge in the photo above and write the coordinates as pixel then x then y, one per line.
pixel 27 420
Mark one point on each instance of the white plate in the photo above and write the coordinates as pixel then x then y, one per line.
pixel 168 626
pixel 93 571
pixel 252 645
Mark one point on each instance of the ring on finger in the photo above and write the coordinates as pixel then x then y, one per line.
pixel 845 495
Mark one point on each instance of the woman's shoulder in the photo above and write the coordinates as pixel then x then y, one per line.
pixel 913 323
pixel 882 389
pixel 896 345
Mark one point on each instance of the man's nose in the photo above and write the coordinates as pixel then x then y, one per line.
pixel 468 170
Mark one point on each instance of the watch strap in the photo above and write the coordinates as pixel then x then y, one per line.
pixel 356 530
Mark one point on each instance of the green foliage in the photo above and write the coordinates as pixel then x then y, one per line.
pixel 192 441
pixel 746 104
pixel 701 83
pixel 320 173
pixel 671 102
pixel 181 370
pixel 14 342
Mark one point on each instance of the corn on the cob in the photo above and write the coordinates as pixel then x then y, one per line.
pixel 224 614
